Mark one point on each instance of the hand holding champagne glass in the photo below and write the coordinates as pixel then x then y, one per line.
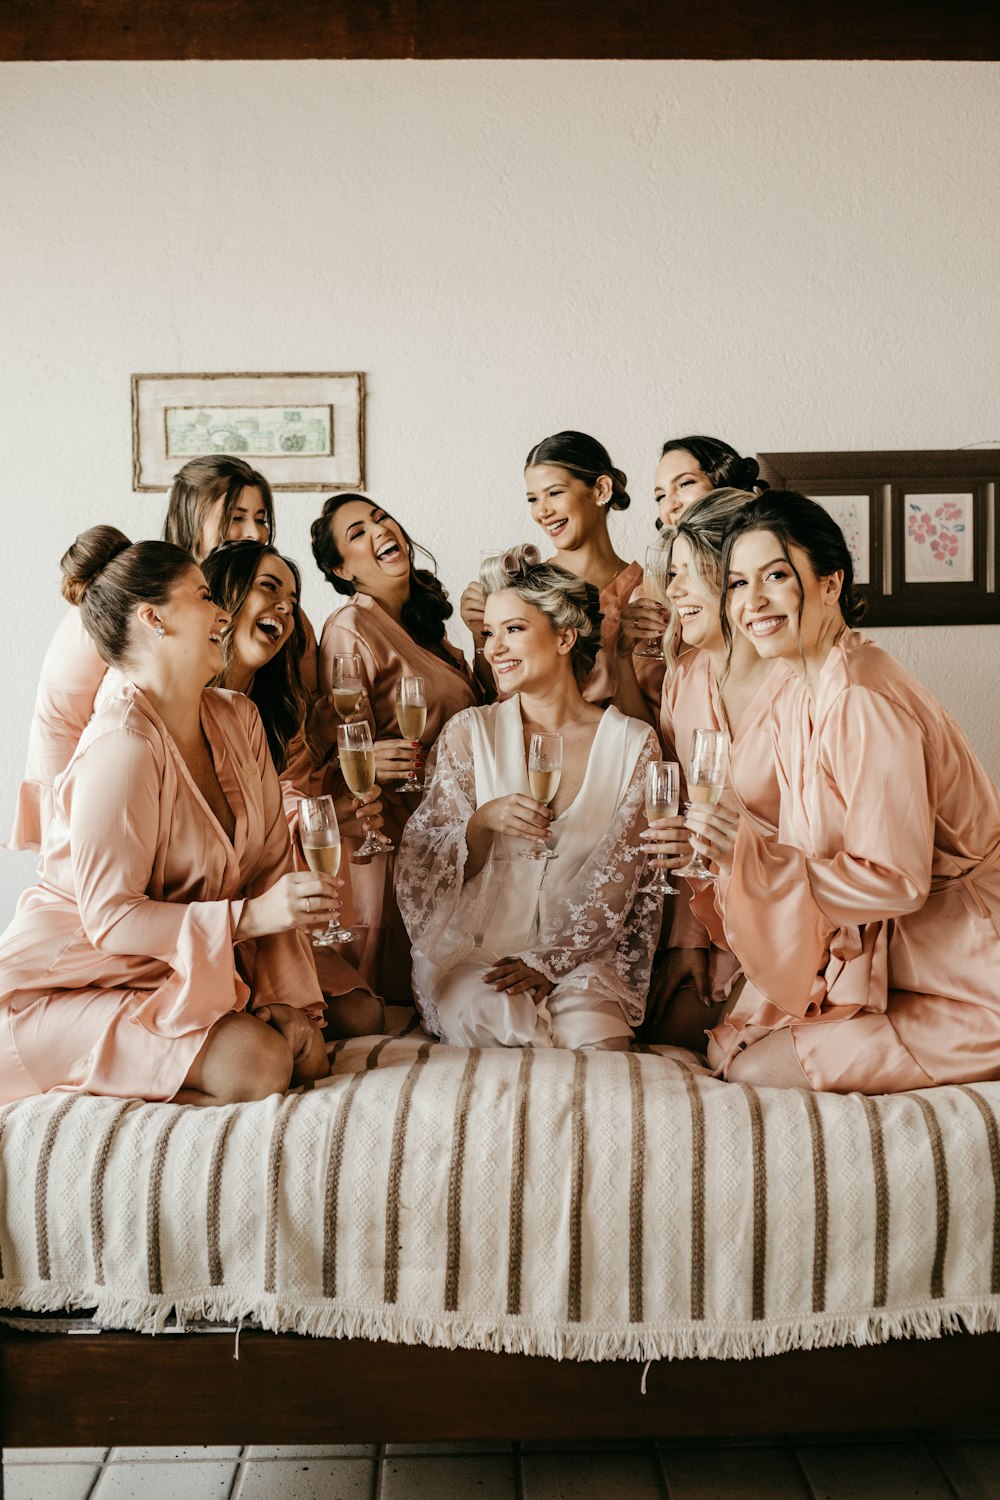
pixel 654 587
pixel 319 835
pixel 411 716
pixel 346 684
pixel 662 798
pixel 706 778
pixel 545 761
pixel 357 761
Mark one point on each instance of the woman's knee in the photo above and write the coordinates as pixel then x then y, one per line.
pixel 242 1060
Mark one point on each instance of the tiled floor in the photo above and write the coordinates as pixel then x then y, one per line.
pixel 893 1466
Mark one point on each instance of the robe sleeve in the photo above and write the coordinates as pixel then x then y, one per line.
pixel 340 640
pixel 786 909
pixel 115 826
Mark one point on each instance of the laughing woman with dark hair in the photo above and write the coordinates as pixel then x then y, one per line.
pixel 691 467
pixel 868 925
pixel 394 622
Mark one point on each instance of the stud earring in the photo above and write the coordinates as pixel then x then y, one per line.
pixel 160 632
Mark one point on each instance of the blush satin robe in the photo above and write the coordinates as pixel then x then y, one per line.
pixel 122 957
pixel 870 925
pixel 601 686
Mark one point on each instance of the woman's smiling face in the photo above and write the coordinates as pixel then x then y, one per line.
pixel 520 644
pixel 267 618
pixel 563 504
pixel 376 557
pixel 680 481
pixel 768 603
pixel 696 604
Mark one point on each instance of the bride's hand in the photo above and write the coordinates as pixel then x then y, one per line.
pixel 517 815
pixel 513 976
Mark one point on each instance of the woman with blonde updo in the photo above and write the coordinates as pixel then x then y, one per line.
pixel 514 951
pixel 163 952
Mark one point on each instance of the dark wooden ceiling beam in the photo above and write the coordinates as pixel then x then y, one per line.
pixel 145 30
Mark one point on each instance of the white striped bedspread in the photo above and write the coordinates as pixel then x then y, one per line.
pixel 578 1205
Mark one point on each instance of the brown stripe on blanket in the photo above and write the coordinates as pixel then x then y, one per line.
pixel 880 1290
pixel 515 1232
pixel 636 1189
pixel 154 1269
pixel 213 1215
pixel 331 1196
pixel 399 1124
pixel 42 1183
pixel 579 1146
pixel 274 1156
pixel 821 1200
pixel 371 1061
pixel 697 1193
pixel 993 1142
pixel 4 1116
pixel 759 1158
pixel 453 1259
pixel 97 1188
pixel 933 1125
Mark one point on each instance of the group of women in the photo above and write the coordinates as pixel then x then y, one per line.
pixel 847 938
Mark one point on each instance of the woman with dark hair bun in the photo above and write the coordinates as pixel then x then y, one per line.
pixel 572 485
pixel 552 950
pixel 163 952
pixel 691 467
pixel 212 499
pixel 395 624
pixel 868 926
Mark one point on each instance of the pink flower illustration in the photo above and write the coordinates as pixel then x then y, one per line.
pixel 921 527
pixel 949 511
pixel 945 547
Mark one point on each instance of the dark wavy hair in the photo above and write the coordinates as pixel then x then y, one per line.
pixel 584 456
pixel 795 521
pixel 428 606
pixel 107 576
pixel 277 689
pixel 719 462
pixel 197 487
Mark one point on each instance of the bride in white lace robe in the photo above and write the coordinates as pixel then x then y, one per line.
pixel 510 951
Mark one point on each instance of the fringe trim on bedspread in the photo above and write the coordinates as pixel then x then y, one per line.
pixel 512 1335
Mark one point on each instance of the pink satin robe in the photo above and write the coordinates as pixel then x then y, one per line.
pixel 871 924
pixel 382 950
pixel 601 686
pixel 122 957
pixel 691 701
pixel 71 677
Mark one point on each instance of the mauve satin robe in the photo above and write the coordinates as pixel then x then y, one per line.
pixel 601 686
pixel 71 677
pixel 122 957
pixel 691 701
pixel 381 950
pixel 870 925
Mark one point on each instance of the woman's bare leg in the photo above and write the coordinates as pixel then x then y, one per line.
pixel 358 1013
pixel 242 1059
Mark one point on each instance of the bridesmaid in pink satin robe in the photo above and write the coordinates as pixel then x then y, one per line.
pixel 161 954
pixel 869 926
pixel 571 485
pixel 394 622
pixel 211 499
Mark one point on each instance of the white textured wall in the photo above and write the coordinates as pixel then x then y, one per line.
pixel 789 255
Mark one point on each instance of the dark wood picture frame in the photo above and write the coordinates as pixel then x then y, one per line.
pixel 888 477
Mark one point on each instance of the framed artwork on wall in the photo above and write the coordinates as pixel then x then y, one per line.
pixel 920 525
pixel 304 432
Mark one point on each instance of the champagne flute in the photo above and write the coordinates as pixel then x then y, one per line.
pixel 319 835
pixel 662 797
pixel 654 587
pixel 346 684
pixel 357 761
pixel 411 716
pixel 545 760
pixel 706 778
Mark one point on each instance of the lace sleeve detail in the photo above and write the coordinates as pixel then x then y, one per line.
pixel 441 910
pixel 605 929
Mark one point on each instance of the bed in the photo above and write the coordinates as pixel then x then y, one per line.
pixel 438 1242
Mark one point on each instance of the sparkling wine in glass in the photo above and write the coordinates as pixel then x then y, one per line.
pixel 545 762
pixel 319 835
pixel 357 762
pixel 411 716
pixel 654 586
pixel 346 684
pixel 662 798
pixel 706 778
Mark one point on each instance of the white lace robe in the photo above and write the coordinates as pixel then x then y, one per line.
pixel 580 919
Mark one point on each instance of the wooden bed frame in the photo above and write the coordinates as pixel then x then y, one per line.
pixel 84 1389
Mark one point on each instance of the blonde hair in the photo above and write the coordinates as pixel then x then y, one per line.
pixel 704 526
pixel 567 602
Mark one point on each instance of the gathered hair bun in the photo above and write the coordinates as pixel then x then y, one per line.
pixel 620 497
pixel 89 555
